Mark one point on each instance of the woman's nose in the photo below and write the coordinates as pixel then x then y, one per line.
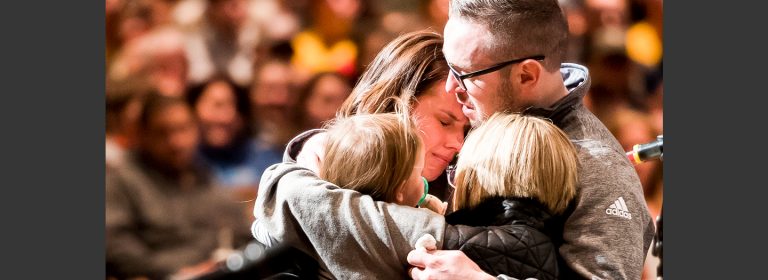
pixel 455 141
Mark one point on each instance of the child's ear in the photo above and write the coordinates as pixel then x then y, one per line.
pixel 399 197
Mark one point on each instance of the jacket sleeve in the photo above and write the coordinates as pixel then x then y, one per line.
pixel 340 226
pixel 609 231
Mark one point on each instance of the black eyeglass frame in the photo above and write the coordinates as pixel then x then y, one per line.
pixel 460 78
pixel 450 173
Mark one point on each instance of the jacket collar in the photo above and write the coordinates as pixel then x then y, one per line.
pixel 503 211
pixel 576 80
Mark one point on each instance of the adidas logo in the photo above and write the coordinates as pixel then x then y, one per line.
pixel 619 208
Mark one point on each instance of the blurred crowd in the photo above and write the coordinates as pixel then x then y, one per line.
pixel 203 95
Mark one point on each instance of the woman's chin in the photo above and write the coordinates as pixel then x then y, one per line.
pixel 432 174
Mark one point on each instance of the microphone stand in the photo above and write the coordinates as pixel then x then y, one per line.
pixel 657 239
pixel 639 154
pixel 657 250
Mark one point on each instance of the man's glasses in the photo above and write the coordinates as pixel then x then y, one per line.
pixel 460 78
pixel 450 172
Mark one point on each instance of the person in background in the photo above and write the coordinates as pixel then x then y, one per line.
pixel 124 101
pixel 273 98
pixel 224 113
pixel 223 42
pixel 321 98
pixel 157 58
pixel 331 40
pixel 164 217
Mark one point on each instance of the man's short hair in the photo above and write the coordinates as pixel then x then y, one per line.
pixel 519 28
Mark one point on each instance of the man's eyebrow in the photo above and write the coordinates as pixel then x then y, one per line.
pixel 458 67
pixel 445 58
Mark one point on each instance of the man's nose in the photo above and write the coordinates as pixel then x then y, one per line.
pixel 452 87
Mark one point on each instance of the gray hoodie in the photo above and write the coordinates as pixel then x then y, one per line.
pixel 351 235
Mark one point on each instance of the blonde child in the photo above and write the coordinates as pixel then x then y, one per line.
pixel 514 174
pixel 381 155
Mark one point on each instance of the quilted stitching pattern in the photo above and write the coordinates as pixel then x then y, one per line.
pixel 514 249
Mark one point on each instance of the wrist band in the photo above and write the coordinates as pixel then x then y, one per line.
pixel 426 190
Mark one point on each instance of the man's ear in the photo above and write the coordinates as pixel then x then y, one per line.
pixel 529 74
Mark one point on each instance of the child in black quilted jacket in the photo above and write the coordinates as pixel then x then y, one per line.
pixel 514 173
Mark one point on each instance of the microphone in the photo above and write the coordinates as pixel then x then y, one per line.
pixel 648 151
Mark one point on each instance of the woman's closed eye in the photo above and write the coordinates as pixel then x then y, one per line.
pixel 446 123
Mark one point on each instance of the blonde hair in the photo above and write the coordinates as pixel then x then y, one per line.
pixel 514 155
pixel 371 153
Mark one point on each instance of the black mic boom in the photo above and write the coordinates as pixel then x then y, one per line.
pixel 648 151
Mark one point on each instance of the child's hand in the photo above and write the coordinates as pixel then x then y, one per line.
pixel 435 204
pixel 426 242
pixel 313 152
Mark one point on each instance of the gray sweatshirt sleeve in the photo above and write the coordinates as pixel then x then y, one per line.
pixel 339 226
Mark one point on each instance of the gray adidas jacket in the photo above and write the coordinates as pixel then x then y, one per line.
pixel 599 241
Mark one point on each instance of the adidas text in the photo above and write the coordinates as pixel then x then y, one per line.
pixel 620 213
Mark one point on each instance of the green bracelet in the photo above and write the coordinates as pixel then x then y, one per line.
pixel 426 190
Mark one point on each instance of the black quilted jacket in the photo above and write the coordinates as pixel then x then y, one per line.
pixel 505 236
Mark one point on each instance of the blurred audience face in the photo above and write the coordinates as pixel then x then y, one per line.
pixel 345 9
pixel 158 57
pixel 273 92
pixel 606 13
pixel 333 19
pixel 228 14
pixel 217 113
pixel 443 125
pixel 325 98
pixel 162 11
pixel 170 137
pixel 128 121
pixel 169 73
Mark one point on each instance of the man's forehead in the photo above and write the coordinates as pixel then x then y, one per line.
pixel 466 43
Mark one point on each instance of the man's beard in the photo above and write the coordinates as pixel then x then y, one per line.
pixel 506 104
